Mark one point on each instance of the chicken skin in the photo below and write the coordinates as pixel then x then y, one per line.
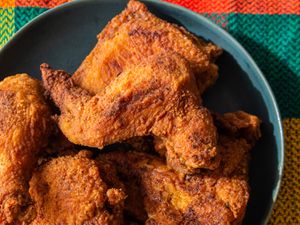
pixel 71 190
pixel 157 97
pixel 239 124
pixel 25 124
pixel 136 34
pixel 209 197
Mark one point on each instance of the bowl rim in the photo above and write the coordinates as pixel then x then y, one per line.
pixel 220 32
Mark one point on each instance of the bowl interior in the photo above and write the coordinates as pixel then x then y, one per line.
pixel 64 36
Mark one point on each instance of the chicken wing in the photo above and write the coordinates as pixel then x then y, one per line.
pixel 157 97
pixel 210 197
pixel 136 34
pixel 24 127
pixel 71 190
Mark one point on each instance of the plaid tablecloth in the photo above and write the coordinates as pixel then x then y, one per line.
pixel 269 30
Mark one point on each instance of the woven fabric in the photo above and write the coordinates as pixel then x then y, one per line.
pixel 269 30
pixel 287 207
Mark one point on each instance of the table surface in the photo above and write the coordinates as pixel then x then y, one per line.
pixel 270 32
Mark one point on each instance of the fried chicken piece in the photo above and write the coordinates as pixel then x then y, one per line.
pixel 157 97
pixel 239 124
pixel 235 124
pixel 71 190
pixel 24 127
pixel 136 34
pixel 210 197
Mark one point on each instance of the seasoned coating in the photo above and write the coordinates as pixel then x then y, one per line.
pixel 157 97
pixel 239 124
pixel 235 124
pixel 70 190
pixel 24 127
pixel 210 197
pixel 136 34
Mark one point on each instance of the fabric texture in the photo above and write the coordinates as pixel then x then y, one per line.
pixel 270 32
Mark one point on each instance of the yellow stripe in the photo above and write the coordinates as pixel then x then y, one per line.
pixel 7 26
pixel 287 207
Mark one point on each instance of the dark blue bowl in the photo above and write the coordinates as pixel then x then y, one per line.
pixel 65 35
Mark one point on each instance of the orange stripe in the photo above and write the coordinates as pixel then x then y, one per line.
pixel 40 3
pixel 7 3
pixel 242 6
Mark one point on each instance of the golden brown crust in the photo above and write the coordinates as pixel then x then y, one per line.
pixel 136 34
pixel 169 198
pixel 158 97
pixel 24 127
pixel 239 124
pixel 70 190
pixel 209 197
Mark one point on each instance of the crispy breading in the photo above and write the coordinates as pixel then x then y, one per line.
pixel 136 34
pixel 71 190
pixel 157 97
pixel 239 124
pixel 209 197
pixel 25 124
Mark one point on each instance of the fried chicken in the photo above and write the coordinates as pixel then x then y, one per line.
pixel 24 128
pixel 235 124
pixel 158 97
pixel 136 34
pixel 72 190
pixel 210 197
pixel 239 124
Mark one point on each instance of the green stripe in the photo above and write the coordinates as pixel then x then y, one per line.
pixel 25 14
pixel 274 43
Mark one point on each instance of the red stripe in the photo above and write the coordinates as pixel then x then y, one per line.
pixel 242 6
pixel 40 3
